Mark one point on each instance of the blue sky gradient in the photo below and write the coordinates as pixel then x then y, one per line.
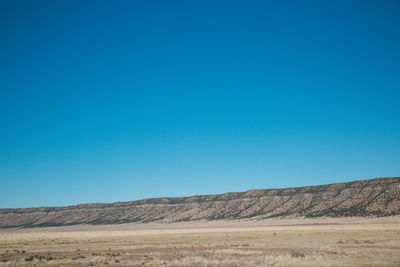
pixel 104 101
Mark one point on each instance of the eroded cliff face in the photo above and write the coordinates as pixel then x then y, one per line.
pixel 376 197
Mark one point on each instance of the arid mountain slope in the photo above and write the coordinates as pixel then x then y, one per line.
pixel 376 197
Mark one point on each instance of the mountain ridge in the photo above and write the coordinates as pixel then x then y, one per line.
pixel 372 197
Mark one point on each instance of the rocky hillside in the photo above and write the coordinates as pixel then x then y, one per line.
pixel 376 197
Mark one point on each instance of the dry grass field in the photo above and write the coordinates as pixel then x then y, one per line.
pixel 276 242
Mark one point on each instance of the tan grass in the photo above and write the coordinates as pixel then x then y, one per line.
pixel 279 242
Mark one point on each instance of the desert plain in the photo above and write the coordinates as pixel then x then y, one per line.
pixel 272 242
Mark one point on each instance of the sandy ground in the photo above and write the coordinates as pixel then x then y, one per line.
pixel 273 242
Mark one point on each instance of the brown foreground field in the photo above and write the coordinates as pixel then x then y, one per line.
pixel 281 242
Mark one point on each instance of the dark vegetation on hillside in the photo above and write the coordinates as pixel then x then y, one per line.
pixel 375 197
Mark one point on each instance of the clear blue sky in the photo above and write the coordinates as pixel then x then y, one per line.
pixel 104 101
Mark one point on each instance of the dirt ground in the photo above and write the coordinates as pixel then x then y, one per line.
pixel 274 242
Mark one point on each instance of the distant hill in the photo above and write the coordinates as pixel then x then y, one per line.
pixel 375 197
